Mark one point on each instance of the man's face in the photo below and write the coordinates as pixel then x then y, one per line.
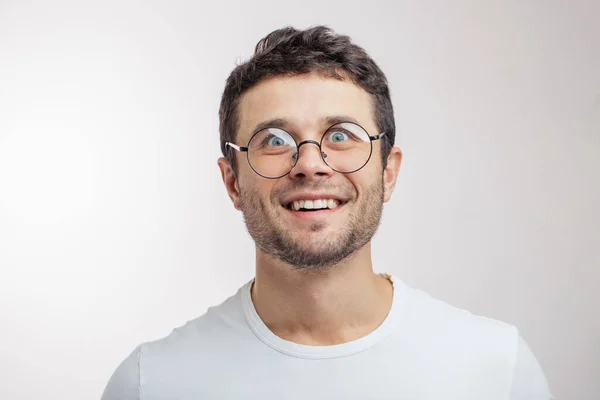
pixel 309 239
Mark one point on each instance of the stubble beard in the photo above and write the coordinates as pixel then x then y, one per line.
pixel 320 254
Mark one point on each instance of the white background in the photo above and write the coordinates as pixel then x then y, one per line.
pixel 115 227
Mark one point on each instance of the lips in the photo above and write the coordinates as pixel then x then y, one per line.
pixel 312 215
pixel 313 201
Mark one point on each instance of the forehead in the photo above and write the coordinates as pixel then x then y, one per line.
pixel 305 101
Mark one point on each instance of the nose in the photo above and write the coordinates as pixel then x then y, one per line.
pixel 309 162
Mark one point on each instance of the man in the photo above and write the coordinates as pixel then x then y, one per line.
pixel 307 132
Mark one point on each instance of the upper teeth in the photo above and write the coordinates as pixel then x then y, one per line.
pixel 314 204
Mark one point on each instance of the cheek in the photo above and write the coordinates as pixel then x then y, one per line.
pixel 254 188
pixel 364 179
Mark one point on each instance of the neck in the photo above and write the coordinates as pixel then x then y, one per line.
pixel 334 306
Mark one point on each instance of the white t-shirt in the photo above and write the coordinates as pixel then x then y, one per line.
pixel 425 349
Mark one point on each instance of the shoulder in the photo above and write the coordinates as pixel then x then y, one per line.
pixel 430 312
pixel 197 339
pixel 450 330
pixel 218 323
pixel 455 339
pixel 125 380
pixel 529 381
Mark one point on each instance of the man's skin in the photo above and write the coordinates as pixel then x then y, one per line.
pixel 314 280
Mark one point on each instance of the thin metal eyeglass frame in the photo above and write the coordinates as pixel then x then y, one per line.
pixel 244 149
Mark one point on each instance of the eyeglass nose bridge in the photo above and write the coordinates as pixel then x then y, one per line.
pixel 297 155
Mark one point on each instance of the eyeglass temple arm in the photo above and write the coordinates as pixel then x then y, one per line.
pixel 235 146
pixel 377 136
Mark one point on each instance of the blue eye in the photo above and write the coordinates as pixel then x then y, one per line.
pixel 275 141
pixel 338 136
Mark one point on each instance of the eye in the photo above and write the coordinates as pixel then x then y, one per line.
pixel 275 141
pixel 338 136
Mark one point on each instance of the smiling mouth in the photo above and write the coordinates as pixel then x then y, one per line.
pixel 314 205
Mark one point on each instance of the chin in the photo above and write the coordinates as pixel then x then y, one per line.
pixel 319 243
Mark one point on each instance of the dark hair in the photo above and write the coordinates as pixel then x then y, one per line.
pixel 290 52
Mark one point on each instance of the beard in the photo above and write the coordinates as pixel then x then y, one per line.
pixel 301 250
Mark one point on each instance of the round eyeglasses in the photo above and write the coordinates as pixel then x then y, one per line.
pixel 345 147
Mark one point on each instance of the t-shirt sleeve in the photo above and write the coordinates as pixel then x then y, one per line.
pixel 124 384
pixel 529 381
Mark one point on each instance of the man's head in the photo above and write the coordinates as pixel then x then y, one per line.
pixel 292 52
pixel 300 84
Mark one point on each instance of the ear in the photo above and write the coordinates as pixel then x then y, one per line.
pixel 230 181
pixel 390 173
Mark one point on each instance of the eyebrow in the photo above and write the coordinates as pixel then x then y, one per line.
pixel 283 123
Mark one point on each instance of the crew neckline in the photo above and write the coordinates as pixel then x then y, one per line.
pixel 293 349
